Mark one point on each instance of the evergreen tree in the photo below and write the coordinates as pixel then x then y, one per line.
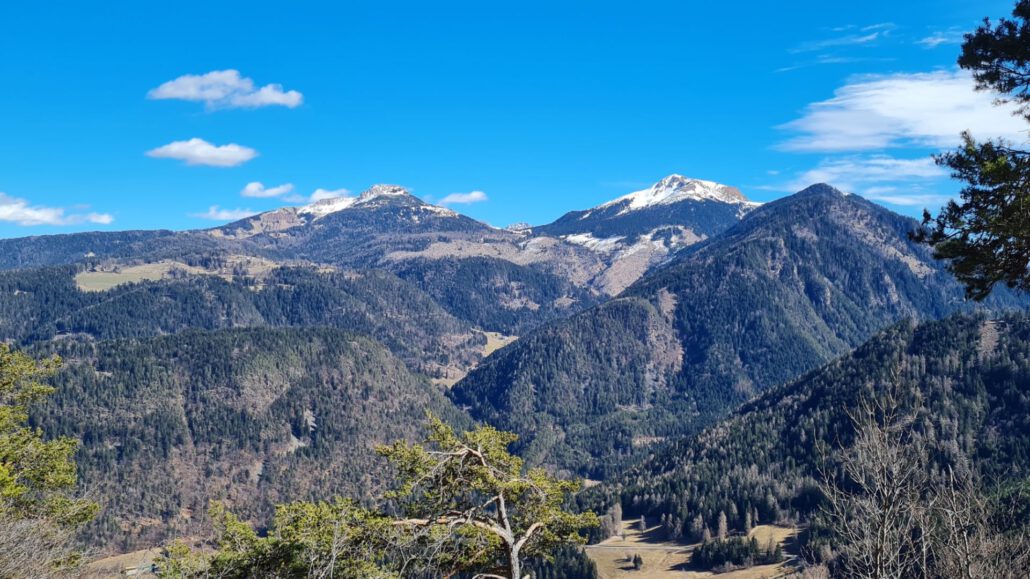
pixel 38 514
pixel 986 236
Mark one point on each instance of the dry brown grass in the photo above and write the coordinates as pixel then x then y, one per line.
pixel 494 342
pixel 116 565
pixel 109 276
pixel 98 281
pixel 666 560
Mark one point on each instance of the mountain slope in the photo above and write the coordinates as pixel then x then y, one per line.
pixel 972 375
pixel 42 304
pixel 797 282
pixel 253 416
pixel 517 282
pixel 509 284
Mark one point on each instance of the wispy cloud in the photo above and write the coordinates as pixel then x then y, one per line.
pixel 858 173
pixel 905 199
pixel 909 182
pixel 257 189
pixel 834 59
pixel 21 212
pixel 862 36
pixel 464 198
pixel 950 36
pixel 216 213
pixel 225 89
pixel 200 152
pixel 878 112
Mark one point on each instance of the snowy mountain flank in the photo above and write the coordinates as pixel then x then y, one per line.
pixel 641 229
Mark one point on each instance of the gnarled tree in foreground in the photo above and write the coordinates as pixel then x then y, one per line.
pixel 461 504
pixel 495 514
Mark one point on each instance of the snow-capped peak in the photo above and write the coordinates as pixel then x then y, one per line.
pixel 374 197
pixel 334 204
pixel 676 188
pixel 377 191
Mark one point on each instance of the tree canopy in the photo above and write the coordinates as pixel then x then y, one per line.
pixel 986 235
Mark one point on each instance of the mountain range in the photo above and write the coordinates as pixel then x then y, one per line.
pixel 794 284
pixel 261 360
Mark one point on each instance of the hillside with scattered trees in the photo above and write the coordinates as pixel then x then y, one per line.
pixel 254 417
pixel 960 384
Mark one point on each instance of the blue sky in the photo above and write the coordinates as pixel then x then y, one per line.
pixel 542 107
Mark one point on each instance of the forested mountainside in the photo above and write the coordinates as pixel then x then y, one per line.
pixel 971 375
pixel 522 299
pixel 44 250
pixel 253 416
pixel 796 283
pixel 46 303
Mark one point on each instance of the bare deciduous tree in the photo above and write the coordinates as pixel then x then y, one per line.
pixel 966 542
pixel 873 504
pixel 892 520
pixel 35 548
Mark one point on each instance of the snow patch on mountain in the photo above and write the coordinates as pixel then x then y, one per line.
pixel 601 245
pixel 439 210
pixel 662 239
pixel 327 206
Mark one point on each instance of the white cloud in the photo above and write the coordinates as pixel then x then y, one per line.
pixel 923 109
pixel 257 189
pixel 225 89
pixel 216 213
pixel 464 198
pixel 200 152
pixel 20 212
pixel 322 194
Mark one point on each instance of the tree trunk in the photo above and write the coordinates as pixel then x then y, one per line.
pixel 514 565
